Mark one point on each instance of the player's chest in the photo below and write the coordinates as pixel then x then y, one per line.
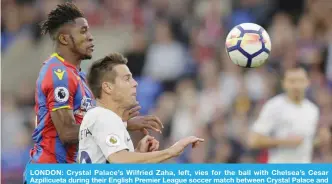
pixel 297 120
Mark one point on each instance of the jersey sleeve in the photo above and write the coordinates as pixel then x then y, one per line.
pixel 109 134
pixel 59 86
pixel 266 120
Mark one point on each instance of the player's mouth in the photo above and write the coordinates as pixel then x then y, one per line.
pixel 91 48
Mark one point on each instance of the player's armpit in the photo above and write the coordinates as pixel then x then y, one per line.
pixel 125 156
pixel 66 127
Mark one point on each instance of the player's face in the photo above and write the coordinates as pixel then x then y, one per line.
pixel 124 86
pixel 296 83
pixel 82 39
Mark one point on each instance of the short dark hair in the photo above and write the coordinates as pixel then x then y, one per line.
pixel 62 14
pixel 297 66
pixel 102 70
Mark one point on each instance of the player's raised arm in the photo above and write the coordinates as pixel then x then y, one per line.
pixel 60 88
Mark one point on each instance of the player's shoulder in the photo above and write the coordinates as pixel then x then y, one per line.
pixel 99 114
pixel 311 106
pixel 276 100
pixel 53 65
pixel 55 70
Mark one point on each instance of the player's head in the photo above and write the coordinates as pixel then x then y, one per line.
pixel 296 82
pixel 110 78
pixel 68 27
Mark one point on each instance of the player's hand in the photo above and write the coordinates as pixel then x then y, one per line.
pixel 131 112
pixel 145 123
pixel 293 141
pixel 144 145
pixel 153 145
pixel 179 146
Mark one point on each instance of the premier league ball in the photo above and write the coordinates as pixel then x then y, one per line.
pixel 248 45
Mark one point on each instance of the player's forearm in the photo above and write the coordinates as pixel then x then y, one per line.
pixel 66 127
pixel 260 141
pixel 135 157
pixel 70 135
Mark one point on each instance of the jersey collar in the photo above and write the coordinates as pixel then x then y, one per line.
pixel 65 62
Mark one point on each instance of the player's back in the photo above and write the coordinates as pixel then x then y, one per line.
pixel 59 86
pixel 102 132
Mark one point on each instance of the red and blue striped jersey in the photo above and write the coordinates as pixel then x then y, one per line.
pixel 60 85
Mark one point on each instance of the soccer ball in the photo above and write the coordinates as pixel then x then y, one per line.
pixel 248 45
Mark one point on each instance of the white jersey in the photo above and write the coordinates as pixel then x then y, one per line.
pixel 102 133
pixel 280 118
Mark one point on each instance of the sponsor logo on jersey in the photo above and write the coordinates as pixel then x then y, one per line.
pixel 59 73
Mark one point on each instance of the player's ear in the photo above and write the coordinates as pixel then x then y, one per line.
pixel 63 39
pixel 107 87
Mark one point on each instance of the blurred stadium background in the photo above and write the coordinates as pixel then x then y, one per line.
pixel 175 51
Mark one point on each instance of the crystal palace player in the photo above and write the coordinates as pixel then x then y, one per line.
pixel 62 95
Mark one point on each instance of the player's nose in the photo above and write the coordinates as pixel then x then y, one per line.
pixel 135 83
pixel 90 37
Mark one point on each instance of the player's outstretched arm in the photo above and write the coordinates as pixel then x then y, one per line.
pixel 66 127
pixel 125 156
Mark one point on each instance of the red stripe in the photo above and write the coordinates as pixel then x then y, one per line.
pixel 263 156
pixel 71 151
pixel 72 85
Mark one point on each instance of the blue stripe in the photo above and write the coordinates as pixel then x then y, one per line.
pixel 60 151
pixel 87 90
pixel 64 82
pixel 86 87
pixel 78 97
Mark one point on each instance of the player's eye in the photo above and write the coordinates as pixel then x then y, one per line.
pixel 126 78
pixel 84 30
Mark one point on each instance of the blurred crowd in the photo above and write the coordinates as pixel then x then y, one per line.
pixel 176 53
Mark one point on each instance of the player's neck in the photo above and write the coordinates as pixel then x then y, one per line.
pixel 113 106
pixel 69 57
pixel 295 100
